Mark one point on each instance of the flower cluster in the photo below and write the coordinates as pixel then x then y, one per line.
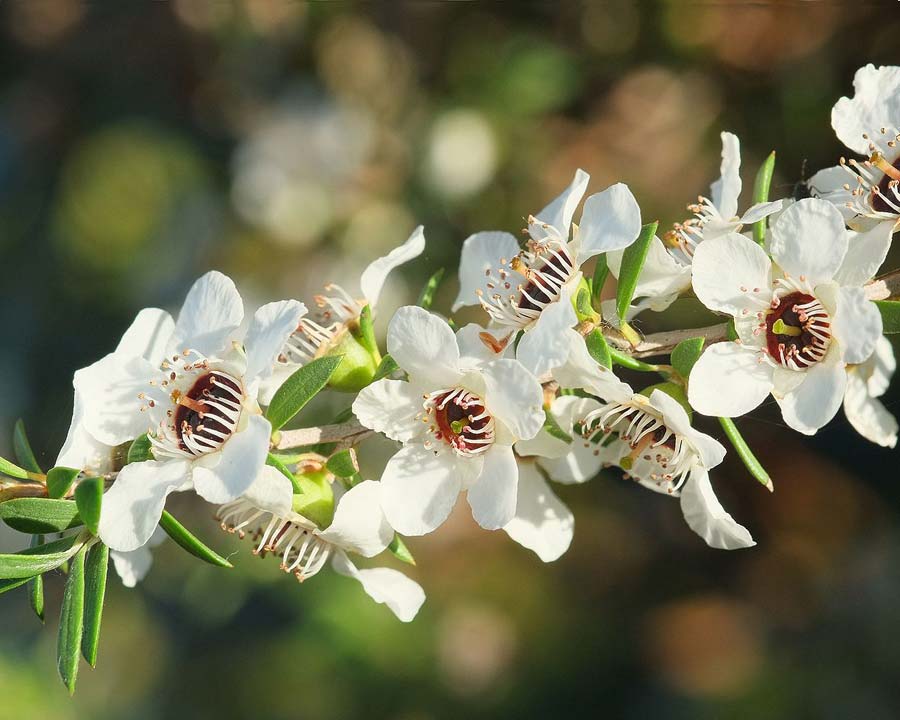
pixel 500 411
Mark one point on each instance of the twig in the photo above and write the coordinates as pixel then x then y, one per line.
pixel 346 434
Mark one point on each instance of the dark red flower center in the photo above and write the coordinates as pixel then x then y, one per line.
pixel 798 331
pixel 544 284
pixel 462 421
pixel 207 414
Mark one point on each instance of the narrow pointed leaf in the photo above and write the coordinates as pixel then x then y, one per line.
pixel 186 540
pixel 385 368
pixel 300 388
pixel 95 573
pixel 39 559
pixel 22 449
pixel 367 330
pixel 71 623
pixel 39 515
pixel 12 584
pixel 13 470
pixel 426 297
pixel 343 464
pixel 630 271
pixel 553 429
pixel 598 347
pixel 400 551
pixel 59 480
pixel 745 453
pixel 685 354
pixel 601 271
pixel 36 585
pixel 890 316
pixel 761 194
pixel 277 462
pixel 626 361
pixel 140 450
pixel 89 498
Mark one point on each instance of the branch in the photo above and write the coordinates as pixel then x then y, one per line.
pixel 346 434
pixel 20 490
pixel 887 287
pixel 662 343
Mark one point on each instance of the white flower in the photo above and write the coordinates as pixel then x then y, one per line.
pixel 866 192
pixel 667 270
pixel 338 311
pixel 266 513
pixel 457 417
pixel 532 289
pixel 194 392
pixel 800 320
pixel 867 382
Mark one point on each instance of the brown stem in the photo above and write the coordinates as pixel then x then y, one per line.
pixel 346 434
pixel 16 490
pixel 887 287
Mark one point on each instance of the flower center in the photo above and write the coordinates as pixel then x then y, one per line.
pixel 335 311
pixel 207 414
pixel 459 418
pixel 798 331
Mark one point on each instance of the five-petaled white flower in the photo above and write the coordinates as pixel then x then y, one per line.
pixel 867 382
pixel 800 320
pixel 193 390
pixel 531 289
pixel 338 312
pixel 266 513
pixel 457 417
pixel 867 192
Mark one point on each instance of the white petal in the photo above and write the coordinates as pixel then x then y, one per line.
pixel 760 211
pixel 857 324
pixel 662 277
pixel 224 475
pixel 269 330
pixel 706 516
pixel 473 348
pixel 403 596
pixel 559 213
pixel 542 522
pixel 390 407
pixel 133 506
pixel 879 368
pixel 81 450
pixel 493 495
pixel 876 104
pixel 514 396
pixel 359 523
pixel 132 566
pixel 424 345
pixel 727 189
pixel 829 183
pixel 211 312
pixel 808 239
pixel 611 220
pixel 728 380
pixel 148 336
pixel 866 252
pixel 376 273
pixel 710 450
pixel 732 274
pixel 481 256
pixel 868 415
pixel 419 489
pixel 271 491
pixel 109 391
pixel 546 345
pixel 811 405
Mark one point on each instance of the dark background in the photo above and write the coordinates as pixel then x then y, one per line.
pixel 289 144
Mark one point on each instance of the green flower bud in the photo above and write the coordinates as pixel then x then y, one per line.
pixel 676 392
pixel 316 501
pixel 358 366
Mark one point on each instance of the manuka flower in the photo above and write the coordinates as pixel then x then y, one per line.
pixel 267 513
pixel 867 382
pixel 335 329
pixel 531 289
pixel 800 320
pixel 193 391
pixel 867 192
pixel 457 417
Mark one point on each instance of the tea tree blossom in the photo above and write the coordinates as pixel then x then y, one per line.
pixel 457 417
pixel 531 289
pixel 800 320
pixel 867 382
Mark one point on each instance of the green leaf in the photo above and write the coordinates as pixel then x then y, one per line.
pixel 632 264
pixel 598 347
pixel 426 297
pixel 36 585
pixel 400 551
pixel 39 559
pixel 13 583
pixel 71 623
pixel 601 270
pixel 553 429
pixel 745 453
pixel 89 498
pixel 343 464
pixel 366 335
pixel 685 354
pixel 626 361
pixel 59 480
pixel 22 448
pixel 185 539
pixel 95 572
pixel 300 388
pixel 387 366
pixel 583 307
pixel 140 450
pixel 277 463
pixel 39 515
pixel 761 194
pixel 13 470
pixel 890 316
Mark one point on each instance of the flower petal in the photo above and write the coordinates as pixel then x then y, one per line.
pixel 424 345
pixel 474 349
pixel 390 407
pixel 728 365
pixel 706 516
pixel 760 211
pixel 492 496
pixel 542 522
pixel 811 405
pixel 132 566
pixel 81 450
pixel 271 491
pixel 481 258
pixel 359 523
pixel 857 325
pixel 809 240
pixel 546 345
pixel 376 273
pixel 866 414
pixel 866 252
pixel 514 396
pixel 269 330
pixel 732 274
pixel 148 335
pixel 876 104
pixel 710 450
pixel 133 506
pixel 611 220
pixel 419 489
pixel 559 213
pixel 662 277
pixel 727 189
pixel 832 184
pixel 224 475
pixel 402 595
pixel 212 311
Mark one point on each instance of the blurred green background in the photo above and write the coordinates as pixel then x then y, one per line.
pixel 287 144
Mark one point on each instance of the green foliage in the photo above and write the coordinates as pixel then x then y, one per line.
pixel 13 470
pixel 71 622
pixel 598 347
pixel 39 559
pixel 88 499
pixel 426 297
pixel 316 499
pixel 400 551
pixel 745 453
pixel 366 334
pixel 761 186
pixel 299 389
pixel 95 573
pixel 387 366
pixel 277 463
pixel 685 354
pixel 626 361
pixel 39 515
pixel 36 585
pixel 890 316
pixel 601 271
pixel 632 264
pixel 553 429
pixel 12 583
pixel 59 480
pixel 343 464
pixel 140 450
pixel 22 448
pixel 187 541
